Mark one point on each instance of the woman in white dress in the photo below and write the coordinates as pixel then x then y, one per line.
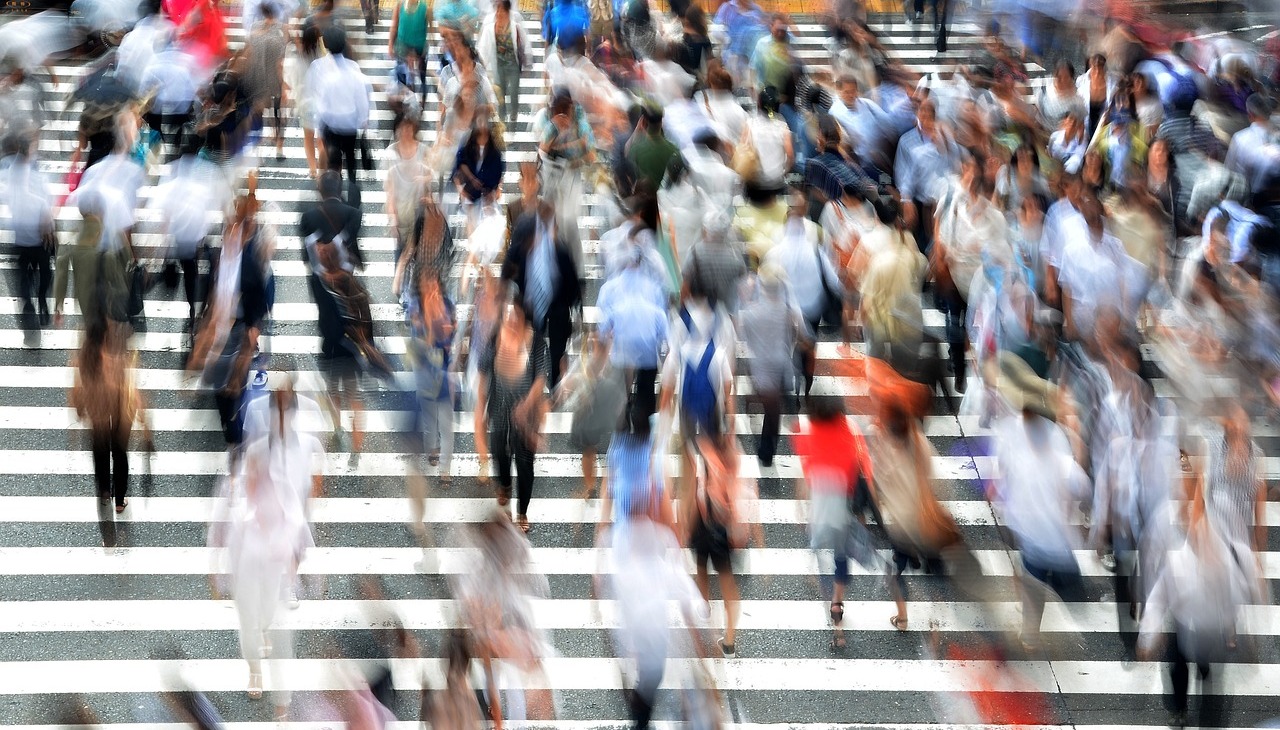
pixel 264 548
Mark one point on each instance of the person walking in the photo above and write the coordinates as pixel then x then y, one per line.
pixel 504 50
pixel 510 405
pixel 35 238
pixel 343 101
pixel 105 396
pixel 407 41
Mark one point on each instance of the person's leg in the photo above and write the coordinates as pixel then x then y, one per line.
pixel 524 477
pixel 500 445
pixel 649 671
pixel 646 402
pixel 44 268
pixel 120 457
pixel 588 472
pixel 729 592
pixel 558 333
pixel 100 443
pixel 190 277
pixel 444 424
pixel 28 267
pixel 1032 584
pixel 309 149
pixel 767 447
pixel 1179 677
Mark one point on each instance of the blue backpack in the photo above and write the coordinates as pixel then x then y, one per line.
pixel 699 399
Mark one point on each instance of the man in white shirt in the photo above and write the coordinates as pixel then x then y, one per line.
pixel 863 120
pixel 1254 151
pixel 343 96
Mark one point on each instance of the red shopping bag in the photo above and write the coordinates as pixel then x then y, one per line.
pixel 73 182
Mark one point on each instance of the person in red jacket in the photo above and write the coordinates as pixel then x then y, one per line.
pixel 837 470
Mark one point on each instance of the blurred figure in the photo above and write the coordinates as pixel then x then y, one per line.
pixel 432 321
pixel 510 406
pixel 1039 487
pixel 106 397
pixel 187 200
pixel 648 583
pixel 455 707
pixel 264 546
pixel 566 145
pixel 31 218
pixel 407 181
pixel 478 169
pixel 595 392
pixel 342 101
pixel 495 596
pixel 837 475
pixel 540 264
pixel 771 327
pixel 504 50
pixel 1200 590
pixel 715 526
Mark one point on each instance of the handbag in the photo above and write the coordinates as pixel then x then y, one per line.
pixel 139 282
pixel 745 160
pixel 832 302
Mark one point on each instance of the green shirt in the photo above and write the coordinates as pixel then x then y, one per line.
pixel 411 32
pixel 651 154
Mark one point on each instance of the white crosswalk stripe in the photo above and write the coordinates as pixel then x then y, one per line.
pixel 81 618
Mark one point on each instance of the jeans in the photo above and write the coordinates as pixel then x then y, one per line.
pixel 800 134
pixel 111 449
pixel 509 445
pixel 34 272
pixel 341 147
pixel 956 309
pixel 507 77
pixel 435 421
pixel 1066 583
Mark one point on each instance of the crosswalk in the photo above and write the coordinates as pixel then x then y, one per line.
pixel 94 606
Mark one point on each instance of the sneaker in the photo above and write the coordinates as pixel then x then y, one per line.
pixel 293 598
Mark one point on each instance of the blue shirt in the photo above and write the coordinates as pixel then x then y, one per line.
pixel 744 28
pixel 631 484
pixel 566 23
pixel 633 314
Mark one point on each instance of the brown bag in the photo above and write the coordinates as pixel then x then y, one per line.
pixel 938 529
pixel 746 161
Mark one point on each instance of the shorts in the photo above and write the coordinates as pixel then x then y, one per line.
pixel 708 547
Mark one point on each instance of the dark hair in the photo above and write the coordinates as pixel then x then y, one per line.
pixel 887 210
pixel 310 40
pixel 561 102
pixel 269 11
pixel 769 102
pixel 330 184
pixel 335 40
pixel 829 130
pixel 824 410
pixel 653 119
pixel 696 20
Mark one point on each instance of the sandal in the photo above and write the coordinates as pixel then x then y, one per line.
pixel 837 612
pixel 837 644
pixel 522 521
pixel 255 685
pixel 120 507
pixel 898 622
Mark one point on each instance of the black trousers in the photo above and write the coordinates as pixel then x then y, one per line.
pixel 341 148
pixel 941 16
pixel 558 332
pixel 34 275
pixel 191 282
pixel 1213 707
pixel 509 445
pixel 642 395
pixel 770 397
pixel 956 309
pixel 111 460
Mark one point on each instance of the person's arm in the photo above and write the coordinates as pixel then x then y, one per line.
pixel 395 27
pixel 1260 518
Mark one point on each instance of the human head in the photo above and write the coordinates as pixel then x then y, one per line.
pixel 927 115
pixel 330 184
pixel 1259 108
pixel 335 40
pixel 779 27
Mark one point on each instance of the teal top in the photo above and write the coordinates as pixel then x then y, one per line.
pixel 411 33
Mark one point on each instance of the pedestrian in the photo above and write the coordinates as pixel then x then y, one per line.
pixel 105 396
pixel 343 100
pixel 408 180
pixel 407 40
pixel 31 218
pixel 771 328
pixel 504 50
pixel 510 405
pixel 542 268
pixel 716 527
pixel 595 393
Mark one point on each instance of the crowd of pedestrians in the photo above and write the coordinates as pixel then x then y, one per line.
pixel 816 215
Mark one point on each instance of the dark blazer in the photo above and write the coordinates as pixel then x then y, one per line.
pixel 328 218
pixel 490 173
pixel 253 284
pixel 568 293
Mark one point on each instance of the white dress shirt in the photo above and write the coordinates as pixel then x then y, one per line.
pixel 342 93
